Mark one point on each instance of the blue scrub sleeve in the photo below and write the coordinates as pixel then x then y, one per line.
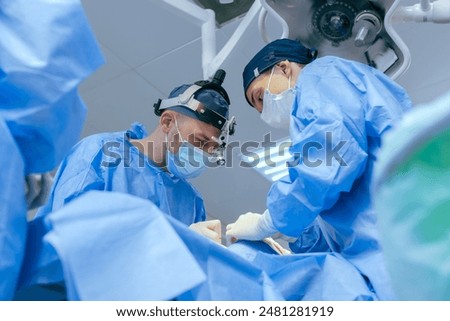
pixel 329 146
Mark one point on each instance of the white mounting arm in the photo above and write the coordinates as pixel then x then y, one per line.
pixel 388 19
pixel 211 60
pixel 437 11
pixel 426 11
pixel 232 42
pixel 262 21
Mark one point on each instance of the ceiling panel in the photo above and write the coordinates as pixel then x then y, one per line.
pixel 112 68
pixel 430 92
pixel 180 66
pixel 138 31
pixel 116 104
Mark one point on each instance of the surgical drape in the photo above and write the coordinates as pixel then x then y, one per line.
pixel 412 196
pixel 110 246
pixel 113 246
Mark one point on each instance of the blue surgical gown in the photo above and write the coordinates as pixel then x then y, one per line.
pixel 109 162
pixel 341 110
pixel 46 49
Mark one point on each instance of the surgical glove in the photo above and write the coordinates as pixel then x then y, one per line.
pixel 210 229
pixel 251 226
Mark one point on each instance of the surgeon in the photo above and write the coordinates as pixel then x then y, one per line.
pixel 336 111
pixel 155 167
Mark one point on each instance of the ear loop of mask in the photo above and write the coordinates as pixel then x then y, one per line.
pixel 166 140
pixel 270 79
pixel 167 150
pixel 182 140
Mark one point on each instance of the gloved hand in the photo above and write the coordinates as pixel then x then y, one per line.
pixel 210 229
pixel 251 226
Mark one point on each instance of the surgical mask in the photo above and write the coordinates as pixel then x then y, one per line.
pixel 277 107
pixel 189 162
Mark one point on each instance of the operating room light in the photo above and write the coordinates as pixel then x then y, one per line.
pixel 226 10
pixel 270 162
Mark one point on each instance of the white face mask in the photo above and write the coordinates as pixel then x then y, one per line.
pixel 277 107
pixel 188 162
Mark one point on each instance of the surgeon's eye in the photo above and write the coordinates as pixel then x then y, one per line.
pixel 210 147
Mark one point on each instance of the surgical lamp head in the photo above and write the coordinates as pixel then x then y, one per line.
pixel 274 52
pixel 206 101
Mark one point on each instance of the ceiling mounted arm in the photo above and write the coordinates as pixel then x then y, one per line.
pixel 262 22
pixel 211 60
pixel 426 11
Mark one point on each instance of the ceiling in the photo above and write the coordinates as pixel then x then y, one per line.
pixel 149 50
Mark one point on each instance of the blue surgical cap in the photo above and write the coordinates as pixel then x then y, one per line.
pixel 274 52
pixel 210 98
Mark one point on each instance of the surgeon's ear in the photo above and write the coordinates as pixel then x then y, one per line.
pixel 285 67
pixel 166 121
